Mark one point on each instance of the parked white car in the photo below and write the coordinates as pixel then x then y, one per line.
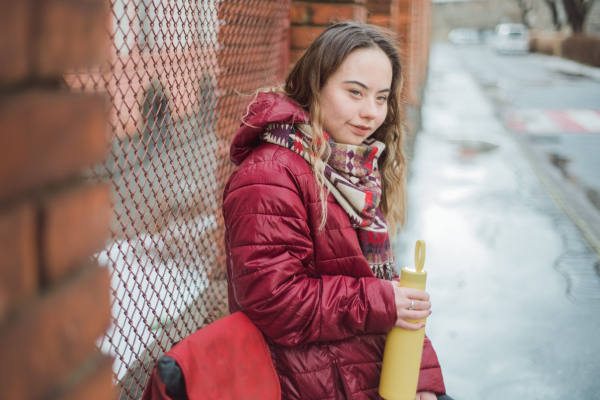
pixel 512 38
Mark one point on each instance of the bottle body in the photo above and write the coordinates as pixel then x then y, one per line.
pixel 403 350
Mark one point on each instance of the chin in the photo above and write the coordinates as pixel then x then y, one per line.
pixel 350 138
pixel 358 141
pixel 353 142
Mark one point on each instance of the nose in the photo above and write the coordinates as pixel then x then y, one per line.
pixel 368 109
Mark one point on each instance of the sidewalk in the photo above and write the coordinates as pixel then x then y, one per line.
pixel 515 292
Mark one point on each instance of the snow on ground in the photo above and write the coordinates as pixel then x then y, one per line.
pixel 154 278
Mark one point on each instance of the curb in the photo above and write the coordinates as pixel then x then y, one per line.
pixel 569 67
pixel 566 195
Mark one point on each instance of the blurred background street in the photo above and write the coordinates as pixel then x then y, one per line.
pixel 537 95
pixel 515 288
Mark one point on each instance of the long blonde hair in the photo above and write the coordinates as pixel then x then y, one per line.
pixel 303 84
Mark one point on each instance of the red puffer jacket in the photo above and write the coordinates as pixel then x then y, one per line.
pixel 312 293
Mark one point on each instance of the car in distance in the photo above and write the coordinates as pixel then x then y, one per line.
pixel 512 39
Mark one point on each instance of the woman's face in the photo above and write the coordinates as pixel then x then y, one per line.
pixel 355 97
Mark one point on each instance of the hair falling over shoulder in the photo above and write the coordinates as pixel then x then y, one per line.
pixel 303 84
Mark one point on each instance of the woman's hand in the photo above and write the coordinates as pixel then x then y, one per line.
pixel 425 396
pixel 420 310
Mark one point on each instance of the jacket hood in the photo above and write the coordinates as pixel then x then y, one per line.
pixel 267 108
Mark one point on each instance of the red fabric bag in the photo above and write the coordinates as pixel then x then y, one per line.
pixel 228 359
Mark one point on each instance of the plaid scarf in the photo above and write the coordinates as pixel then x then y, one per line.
pixel 352 176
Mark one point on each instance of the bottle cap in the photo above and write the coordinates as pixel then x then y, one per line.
pixel 416 274
pixel 419 255
pixel 410 274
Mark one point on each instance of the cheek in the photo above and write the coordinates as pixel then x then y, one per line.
pixel 336 110
pixel 345 109
pixel 381 116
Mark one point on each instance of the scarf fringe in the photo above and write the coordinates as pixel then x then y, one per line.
pixel 384 270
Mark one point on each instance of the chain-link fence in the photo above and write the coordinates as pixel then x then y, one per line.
pixel 173 78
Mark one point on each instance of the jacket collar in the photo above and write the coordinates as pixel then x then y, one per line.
pixel 265 108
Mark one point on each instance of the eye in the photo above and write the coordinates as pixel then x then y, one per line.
pixel 355 92
pixel 382 98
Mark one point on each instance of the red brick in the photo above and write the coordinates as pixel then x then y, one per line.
pixel 15 26
pixel 302 36
pixel 72 33
pixel 298 13
pixel 75 225
pixel 18 264
pixel 380 20
pixel 48 340
pixel 97 384
pixel 322 14
pixel 47 137
pixel 381 7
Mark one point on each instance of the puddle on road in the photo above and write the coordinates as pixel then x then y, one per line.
pixel 577 264
pixel 582 281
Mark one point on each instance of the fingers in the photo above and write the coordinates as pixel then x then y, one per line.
pixel 411 326
pixel 415 294
pixel 414 314
pixel 417 304
pixel 420 310
pixel 409 293
pixel 404 299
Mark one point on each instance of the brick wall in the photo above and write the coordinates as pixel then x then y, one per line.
pixel 54 301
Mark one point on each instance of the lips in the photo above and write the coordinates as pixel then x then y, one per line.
pixel 360 130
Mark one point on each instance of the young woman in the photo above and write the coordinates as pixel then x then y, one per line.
pixel 320 185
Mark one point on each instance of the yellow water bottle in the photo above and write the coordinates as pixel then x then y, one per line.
pixel 403 348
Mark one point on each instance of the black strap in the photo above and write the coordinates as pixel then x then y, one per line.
pixel 171 375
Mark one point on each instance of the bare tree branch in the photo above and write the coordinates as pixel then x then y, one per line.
pixel 556 21
pixel 577 11
pixel 525 6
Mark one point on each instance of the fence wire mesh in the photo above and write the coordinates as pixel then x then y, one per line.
pixel 173 77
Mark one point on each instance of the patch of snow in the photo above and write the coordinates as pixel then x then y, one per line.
pixel 154 278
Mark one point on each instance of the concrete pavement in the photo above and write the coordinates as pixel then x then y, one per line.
pixel 554 114
pixel 514 287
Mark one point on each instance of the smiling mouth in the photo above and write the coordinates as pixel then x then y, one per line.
pixel 361 130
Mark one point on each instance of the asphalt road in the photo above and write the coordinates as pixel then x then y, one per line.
pixel 515 289
pixel 563 111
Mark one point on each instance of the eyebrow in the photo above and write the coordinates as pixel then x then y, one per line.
pixel 365 86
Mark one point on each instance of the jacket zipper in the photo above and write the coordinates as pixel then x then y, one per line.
pixel 339 374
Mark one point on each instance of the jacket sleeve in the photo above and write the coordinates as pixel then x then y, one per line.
pixel 271 254
pixel 430 376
